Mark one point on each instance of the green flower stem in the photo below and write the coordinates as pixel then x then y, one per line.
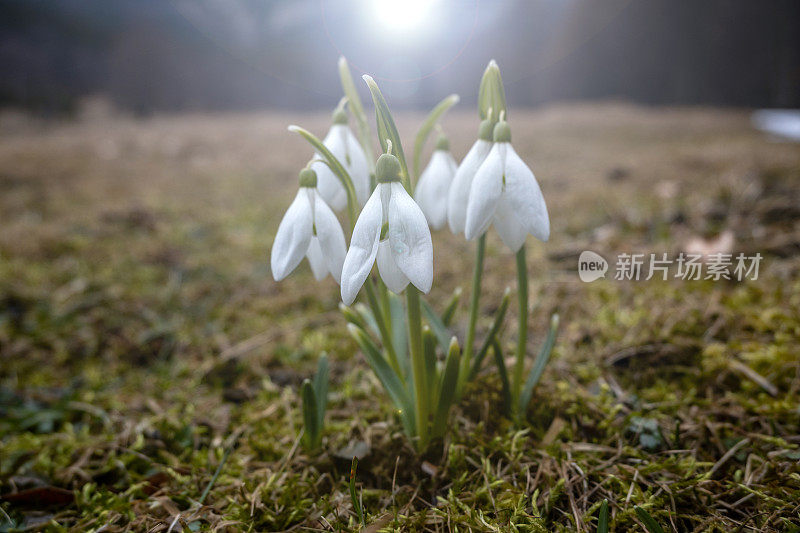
pixel 382 321
pixel 474 299
pixel 522 339
pixel 418 365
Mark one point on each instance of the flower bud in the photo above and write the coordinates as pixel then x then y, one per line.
pixel 485 131
pixel 387 169
pixel 502 132
pixel 339 116
pixel 308 178
pixel 442 143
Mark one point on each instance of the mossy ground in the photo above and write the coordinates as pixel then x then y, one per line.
pixel 141 335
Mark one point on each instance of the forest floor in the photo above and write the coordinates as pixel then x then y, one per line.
pixel 142 335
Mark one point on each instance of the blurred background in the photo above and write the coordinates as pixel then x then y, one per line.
pixel 155 55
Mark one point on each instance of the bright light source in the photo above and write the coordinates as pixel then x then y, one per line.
pixel 401 16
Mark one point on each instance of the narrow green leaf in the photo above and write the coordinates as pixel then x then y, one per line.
pixel 321 387
pixel 388 130
pixel 602 519
pixel 353 317
pixel 429 350
pixel 400 334
pixel 538 366
pixel 336 167
pixel 427 126
pixel 648 521
pixel 437 325
pixel 353 497
pixel 357 109
pixel 503 373
pixel 447 388
pixel 491 94
pixel 310 415
pixel 367 317
pixel 386 375
pixel 490 337
pixel 452 305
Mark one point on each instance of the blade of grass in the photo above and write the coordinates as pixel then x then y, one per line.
pixel 357 109
pixel 503 373
pixel 538 366
pixel 602 519
pixel 447 388
pixel 310 415
pixel 321 387
pixel 490 337
pixel 386 375
pixel 427 126
pixel 353 497
pixel 438 327
pixel 452 305
pixel 388 130
pixel 648 521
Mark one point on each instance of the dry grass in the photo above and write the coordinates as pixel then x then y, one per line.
pixel 141 334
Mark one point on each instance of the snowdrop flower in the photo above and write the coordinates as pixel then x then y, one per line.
pixel 505 193
pixel 434 184
pixel 392 231
pixel 462 181
pixel 342 144
pixel 309 229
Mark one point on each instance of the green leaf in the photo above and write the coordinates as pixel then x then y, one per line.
pixel 336 167
pixel 648 521
pixel 321 387
pixel 353 317
pixel 427 126
pixel 490 337
pixel 503 373
pixel 452 305
pixel 387 376
pixel 602 519
pixel 400 334
pixel 357 109
pixel 388 130
pixel 538 366
pixel 491 94
pixel 429 350
pixel 353 496
pixel 437 325
pixel 310 415
pixel 447 388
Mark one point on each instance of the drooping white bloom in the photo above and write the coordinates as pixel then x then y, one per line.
pixel 344 145
pixel 392 231
pixel 462 181
pixel 434 185
pixel 505 193
pixel 309 229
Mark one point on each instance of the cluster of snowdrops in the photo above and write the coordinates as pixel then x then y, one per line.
pixel 408 344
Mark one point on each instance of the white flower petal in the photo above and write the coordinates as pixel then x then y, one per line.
pixel 485 193
pixel 508 226
pixel 317 260
pixel 410 238
pixel 462 182
pixel 331 239
pixel 391 274
pixel 329 186
pixel 292 238
pixel 525 196
pixel 363 248
pixel 357 167
pixel 433 187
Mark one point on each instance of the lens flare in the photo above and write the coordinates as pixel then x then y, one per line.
pixel 403 16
